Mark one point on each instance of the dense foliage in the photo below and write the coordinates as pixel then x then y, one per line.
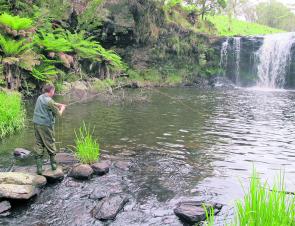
pixel 11 113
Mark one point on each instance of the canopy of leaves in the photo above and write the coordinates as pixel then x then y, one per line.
pixel 53 42
pixel 16 22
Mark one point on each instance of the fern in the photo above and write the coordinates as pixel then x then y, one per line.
pixel 53 42
pixel 15 22
pixel 44 72
pixel 12 47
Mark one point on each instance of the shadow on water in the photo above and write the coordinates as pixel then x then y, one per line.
pixel 173 152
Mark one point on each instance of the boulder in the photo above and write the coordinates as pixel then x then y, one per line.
pixel 109 207
pixel 54 175
pixel 79 85
pixel 193 211
pixel 19 178
pixel 4 206
pixel 14 191
pixel 101 168
pixel 21 153
pixel 82 172
pixel 66 158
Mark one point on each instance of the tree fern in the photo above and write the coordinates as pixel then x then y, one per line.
pixel 11 47
pixel 44 72
pixel 16 22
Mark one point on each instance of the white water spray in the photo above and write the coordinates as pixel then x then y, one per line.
pixel 237 52
pixel 223 54
pixel 273 60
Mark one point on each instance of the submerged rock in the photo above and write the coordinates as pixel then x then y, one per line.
pixel 19 178
pixel 109 207
pixel 101 168
pixel 54 175
pixel 123 165
pixel 14 191
pixel 4 207
pixel 65 158
pixel 193 211
pixel 82 172
pixel 21 153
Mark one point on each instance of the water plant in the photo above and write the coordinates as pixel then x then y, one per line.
pixel 12 113
pixel 87 148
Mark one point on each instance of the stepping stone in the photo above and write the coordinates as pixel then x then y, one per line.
pixel 66 158
pixel 54 175
pixel 14 191
pixel 101 168
pixel 109 207
pixel 81 172
pixel 193 211
pixel 19 178
pixel 21 153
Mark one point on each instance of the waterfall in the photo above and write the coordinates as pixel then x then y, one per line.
pixel 273 60
pixel 237 54
pixel 223 54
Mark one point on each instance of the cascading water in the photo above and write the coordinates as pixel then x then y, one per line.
pixel 237 53
pixel 274 59
pixel 231 48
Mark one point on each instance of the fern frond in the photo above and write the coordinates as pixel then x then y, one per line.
pixel 16 22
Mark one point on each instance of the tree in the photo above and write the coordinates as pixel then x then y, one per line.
pixel 275 14
pixel 210 6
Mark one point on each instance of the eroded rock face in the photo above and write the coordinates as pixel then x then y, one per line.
pixel 81 172
pixel 109 207
pixel 14 191
pixel 193 211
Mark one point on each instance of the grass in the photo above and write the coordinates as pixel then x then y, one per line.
pixel 87 149
pixel 263 205
pixel 102 85
pixel 12 113
pixel 221 24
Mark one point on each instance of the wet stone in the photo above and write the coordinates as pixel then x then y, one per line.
pixel 109 207
pixel 123 165
pixel 54 175
pixel 14 191
pixel 4 206
pixel 19 178
pixel 193 212
pixel 81 172
pixel 101 168
pixel 65 158
pixel 21 153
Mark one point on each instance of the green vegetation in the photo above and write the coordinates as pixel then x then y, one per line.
pixel 11 113
pixel 263 205
pixel 102 85
pixel 221 24
pixel 87 149
pixel 15 22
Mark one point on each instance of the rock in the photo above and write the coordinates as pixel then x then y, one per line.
pixel 21 153
pixel 109 207
pixel 101 168
pixel 193 211
pixel 19 178
pixel 14 191
pixel 79 85
pixel 66 158
pixel 123 165
pixel 83 172
pixel 54 175
pixel 4 206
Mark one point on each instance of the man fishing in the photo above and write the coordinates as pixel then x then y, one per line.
pixel 45 112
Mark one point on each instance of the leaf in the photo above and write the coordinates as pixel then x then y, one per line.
pixel 28 60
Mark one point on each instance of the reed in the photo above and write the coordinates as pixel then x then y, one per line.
pixel 87 149
pixel 12 114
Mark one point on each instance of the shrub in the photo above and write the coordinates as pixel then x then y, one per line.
pixel 87 149
pixel 12 113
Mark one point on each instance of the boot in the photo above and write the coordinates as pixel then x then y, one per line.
pixel 39 163
pixel 53 162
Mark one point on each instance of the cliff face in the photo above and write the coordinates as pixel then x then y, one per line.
pixel 139 31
